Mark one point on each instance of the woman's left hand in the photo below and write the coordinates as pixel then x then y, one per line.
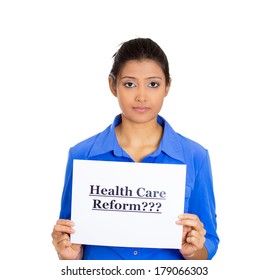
pixel 193 237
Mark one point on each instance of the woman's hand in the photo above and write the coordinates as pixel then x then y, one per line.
pixel 193 237
pixel 61 241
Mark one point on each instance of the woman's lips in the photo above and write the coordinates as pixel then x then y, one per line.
pixel 141 109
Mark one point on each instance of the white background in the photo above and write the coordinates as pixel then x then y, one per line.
pixel 55 57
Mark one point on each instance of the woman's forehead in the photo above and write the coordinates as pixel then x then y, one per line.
pixel 145 66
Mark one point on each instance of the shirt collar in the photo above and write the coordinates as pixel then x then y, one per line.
pixel 171 142
pixel 106 141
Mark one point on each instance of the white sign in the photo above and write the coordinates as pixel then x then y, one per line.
pixel 127 204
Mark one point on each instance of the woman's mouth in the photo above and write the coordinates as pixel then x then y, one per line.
pixel 141 109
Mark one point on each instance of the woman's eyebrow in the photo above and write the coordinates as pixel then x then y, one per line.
pixel 148 78
pixel 154 77
pixel 127 77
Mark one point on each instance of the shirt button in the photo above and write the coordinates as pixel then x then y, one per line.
pixel 135 253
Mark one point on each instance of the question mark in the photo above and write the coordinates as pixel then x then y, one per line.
pixel 145 204
pixel 151 204
pixel 158 206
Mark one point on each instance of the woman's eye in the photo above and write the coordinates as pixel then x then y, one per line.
pixel 129 85
pixel 153 84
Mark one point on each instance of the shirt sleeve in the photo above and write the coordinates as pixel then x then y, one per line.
pixel 65 212
pixel 202 203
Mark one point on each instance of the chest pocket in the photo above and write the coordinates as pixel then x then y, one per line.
pixel 187 198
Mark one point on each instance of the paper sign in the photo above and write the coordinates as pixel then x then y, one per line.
pixel 127 204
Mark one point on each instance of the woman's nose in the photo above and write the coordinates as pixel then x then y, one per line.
pixel 141 95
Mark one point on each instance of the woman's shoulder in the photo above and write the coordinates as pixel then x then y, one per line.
pixel 83 148
pixel 190 143
pixel 181 141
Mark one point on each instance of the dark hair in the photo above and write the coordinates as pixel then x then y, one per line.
pixel 139 49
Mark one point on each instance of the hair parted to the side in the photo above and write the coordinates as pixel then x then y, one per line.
pixel 139 49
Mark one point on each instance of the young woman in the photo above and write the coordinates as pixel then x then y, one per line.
pixel 140 80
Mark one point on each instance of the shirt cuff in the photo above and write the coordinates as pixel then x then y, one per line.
pixel 211 248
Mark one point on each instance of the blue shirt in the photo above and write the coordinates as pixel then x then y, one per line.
pixel 175 149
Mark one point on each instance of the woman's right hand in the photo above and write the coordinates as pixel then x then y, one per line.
pixel 61 241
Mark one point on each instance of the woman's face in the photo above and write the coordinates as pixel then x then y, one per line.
pixel 140 88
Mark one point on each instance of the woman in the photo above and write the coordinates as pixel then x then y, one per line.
pixel 140 80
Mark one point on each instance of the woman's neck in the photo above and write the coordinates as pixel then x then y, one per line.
pixel 139 140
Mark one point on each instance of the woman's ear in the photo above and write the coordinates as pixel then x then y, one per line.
pixel 112 85
pixel 167 87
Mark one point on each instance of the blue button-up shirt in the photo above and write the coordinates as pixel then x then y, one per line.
pixel 175 149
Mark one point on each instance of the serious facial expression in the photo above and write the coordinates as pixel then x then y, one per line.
pixel 140 88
